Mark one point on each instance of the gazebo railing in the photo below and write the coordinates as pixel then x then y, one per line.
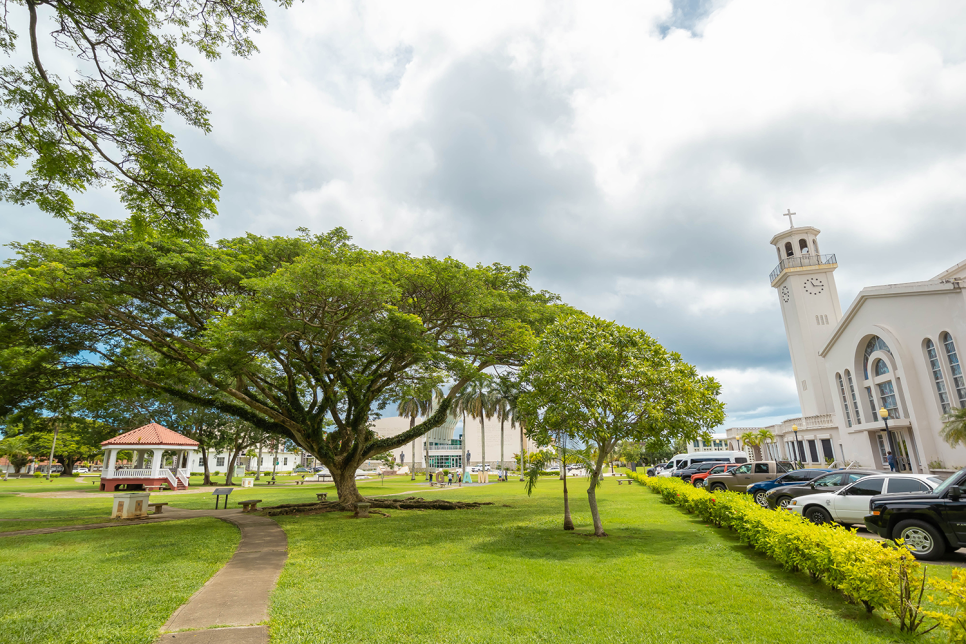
pixel 183 476
pixel 129 474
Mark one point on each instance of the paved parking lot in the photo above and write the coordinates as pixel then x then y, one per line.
pixel 957 558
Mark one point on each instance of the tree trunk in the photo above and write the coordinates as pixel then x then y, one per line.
pixel 345 486
pixel 258 466
pixel 426 455
pixel 522 451
pixel 483 446
pixel 568 522
pixel 592 491
pixel 463 446
pixel 275 461
pixel 53 444
pixel 412 452
pixel 204 459
pixel 231 465
pixel 502 462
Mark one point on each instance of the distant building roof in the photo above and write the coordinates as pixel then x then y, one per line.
pixel 151 434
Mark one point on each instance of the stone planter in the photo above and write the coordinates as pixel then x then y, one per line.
pixel 362 510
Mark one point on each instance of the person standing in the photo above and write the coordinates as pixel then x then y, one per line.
pixel 892 462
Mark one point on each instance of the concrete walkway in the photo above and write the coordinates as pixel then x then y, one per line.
pixel 233 605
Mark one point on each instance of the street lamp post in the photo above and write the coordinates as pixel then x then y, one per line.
pixel 798 446
pixel 884 414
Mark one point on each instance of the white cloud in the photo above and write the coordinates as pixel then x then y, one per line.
pixel 638 166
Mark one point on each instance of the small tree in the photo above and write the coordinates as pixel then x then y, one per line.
pixel 603 383
pixel 16 449
pixel 954 427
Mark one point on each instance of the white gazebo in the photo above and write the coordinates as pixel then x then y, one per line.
pixel 149 446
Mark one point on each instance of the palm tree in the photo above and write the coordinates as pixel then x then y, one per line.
pixel 506 392
pixel 751 439
pixel 765 436
pixel 954 427
pixel 415 404
pixel 478 399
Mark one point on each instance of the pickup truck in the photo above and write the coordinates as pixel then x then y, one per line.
pixel 929 524
pixel 739 478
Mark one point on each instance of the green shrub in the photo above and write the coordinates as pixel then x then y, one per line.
pixel 877 574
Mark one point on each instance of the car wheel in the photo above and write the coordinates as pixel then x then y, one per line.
pixel 922 540
pixel 784 501
pixel 818 515
pixel 761 498
pixel 718 487
pixel 698 483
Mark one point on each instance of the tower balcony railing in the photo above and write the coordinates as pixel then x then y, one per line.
pixel 801 261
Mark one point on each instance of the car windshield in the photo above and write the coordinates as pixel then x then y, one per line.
pixel 715 470
pixel 945 484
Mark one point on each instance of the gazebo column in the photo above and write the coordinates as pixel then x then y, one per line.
pixel 139 460
pixel 156 462
pixel 110 458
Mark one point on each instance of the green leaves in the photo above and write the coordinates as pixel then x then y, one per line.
pixel 103 125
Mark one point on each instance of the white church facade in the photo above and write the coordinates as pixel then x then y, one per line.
pixel 897 347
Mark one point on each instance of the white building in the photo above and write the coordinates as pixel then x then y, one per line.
pixel 218 461
pixel 897 347
pixel 445 450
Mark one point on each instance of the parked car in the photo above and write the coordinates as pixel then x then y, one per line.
pixel 320 469
pixel 81 470
pixel 739 478
pixel 697 480
pixel 300 470
pixel 832 482
pixel 697 468
pixel 795 477
pixel 930 524
pixel 852 503
pixel 683 461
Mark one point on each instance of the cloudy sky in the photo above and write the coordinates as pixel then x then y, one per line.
pixel 636 155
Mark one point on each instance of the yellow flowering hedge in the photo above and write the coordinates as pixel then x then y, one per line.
pixel 877 574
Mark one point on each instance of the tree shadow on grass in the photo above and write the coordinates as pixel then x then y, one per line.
pixel 557 544
pixel 824 596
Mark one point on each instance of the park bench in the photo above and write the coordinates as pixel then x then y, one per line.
pixel 156 507
pixel 272 482
pixel 622 481
pixel 249 506
pixel 322 496
pixel 302 482
pixel 219 492
pixel 432 484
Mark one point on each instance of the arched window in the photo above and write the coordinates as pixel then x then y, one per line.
pixel 803 246
pixel 937 375
pixel 955 368
pixel 875 344
pixel 887 394
pixel 845 401
pixel 881 368
pixel 855 399
pixel 788 249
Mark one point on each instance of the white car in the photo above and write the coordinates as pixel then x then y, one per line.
pixel 81 470
pixel 851 504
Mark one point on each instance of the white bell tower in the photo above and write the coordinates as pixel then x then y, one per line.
pixel 810 307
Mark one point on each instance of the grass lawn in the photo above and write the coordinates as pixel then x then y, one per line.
pixel 508 573
pixel 112 586
pixel 56 484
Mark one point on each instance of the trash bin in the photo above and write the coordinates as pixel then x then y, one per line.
pixel 130 505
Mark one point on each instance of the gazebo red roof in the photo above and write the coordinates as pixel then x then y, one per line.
pixel 151 434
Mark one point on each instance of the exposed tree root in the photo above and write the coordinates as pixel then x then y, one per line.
pixel 410 503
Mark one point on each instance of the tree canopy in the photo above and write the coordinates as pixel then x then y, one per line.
pixel 602 383
pixel 103 123
pixel 303 337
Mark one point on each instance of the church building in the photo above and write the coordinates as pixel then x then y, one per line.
pixel 897 347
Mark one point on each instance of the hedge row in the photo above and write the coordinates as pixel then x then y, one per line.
pixel 877 574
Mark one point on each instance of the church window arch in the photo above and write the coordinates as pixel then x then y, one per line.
pixel 845 400
pixel 872 405
pixel 955 368
pixel 881 368
pixel 855 399
pixel 789 251
pixel 803 246
pixel 887 394
pixel 875 344
pixel 932 356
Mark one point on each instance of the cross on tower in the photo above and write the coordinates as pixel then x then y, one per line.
pixel 789 214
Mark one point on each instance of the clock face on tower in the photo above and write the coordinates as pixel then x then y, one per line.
pixel 786 295
pixel 814 286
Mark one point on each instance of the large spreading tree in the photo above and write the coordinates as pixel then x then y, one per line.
pixel 302 337
pixel 601 383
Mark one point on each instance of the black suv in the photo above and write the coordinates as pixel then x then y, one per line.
pixel 928 524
